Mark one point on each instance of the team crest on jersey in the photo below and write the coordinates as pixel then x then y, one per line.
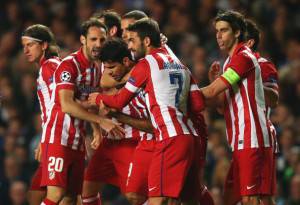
pixel 65 76
pixel 51 175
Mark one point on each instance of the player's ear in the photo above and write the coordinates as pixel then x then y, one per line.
pixel 45 45
pixel 147 41
pixel 113 31
pixel 82 39
pixel 237 33
pixel 250 43
pixel 126 61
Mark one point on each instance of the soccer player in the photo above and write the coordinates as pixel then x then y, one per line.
pixel 110 162
pixel 244 110
pixel 63 136
pixel 40 48
pixel 117 61
pixel 130 18
pixel 112 21
pixel 270 83
pixel 167 84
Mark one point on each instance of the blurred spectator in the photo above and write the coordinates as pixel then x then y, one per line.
pixel 17 193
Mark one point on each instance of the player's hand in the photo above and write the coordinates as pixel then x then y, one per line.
pixel 106 111
pixel 163 39
pixel 214 71
pixel 38 153
pixel 97 139
pixel 112 127
pixel 92 99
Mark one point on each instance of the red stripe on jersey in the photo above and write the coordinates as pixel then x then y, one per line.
pixel 236 119
pixel 228 121
pixel 175 121
pixel 159 61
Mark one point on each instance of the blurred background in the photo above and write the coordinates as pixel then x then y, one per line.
pixel 188 26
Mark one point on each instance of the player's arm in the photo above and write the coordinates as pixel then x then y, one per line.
pixel 137 80
pixel 137 123
pixel 108 82
pixel 71 107
pixel 271 96
pixel 270 82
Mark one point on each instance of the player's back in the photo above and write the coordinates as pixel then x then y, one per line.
pixel 167 93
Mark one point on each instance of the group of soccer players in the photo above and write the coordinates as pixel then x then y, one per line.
pixel 145 110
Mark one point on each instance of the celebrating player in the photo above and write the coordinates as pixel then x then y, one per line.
pixel 167 84
pixel 63 136
pixel 244 110
pixel 40 48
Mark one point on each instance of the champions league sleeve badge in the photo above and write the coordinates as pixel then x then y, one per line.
pixel 65 76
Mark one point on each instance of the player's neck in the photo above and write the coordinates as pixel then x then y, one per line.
pixel 231 50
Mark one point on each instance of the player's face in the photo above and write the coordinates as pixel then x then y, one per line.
pixel 93 41
pixel 136 45
pixel 33 50
pixel 115 69
pixel 226 38
pixel 124 25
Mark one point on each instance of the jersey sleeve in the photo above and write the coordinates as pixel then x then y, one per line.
pixel 65 75
pixel 241 64
pixel 47 72
pixel 269 75
pixel 137 80
pixel 196 106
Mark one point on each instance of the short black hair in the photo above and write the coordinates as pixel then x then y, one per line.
pixel 111 19
pixel 84 28
pixel 135 14
pixel 236 21
pixel 44 34
pixel 252 32
pixel 147 27
pixel 115 50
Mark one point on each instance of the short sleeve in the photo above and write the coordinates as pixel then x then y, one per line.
pixel 65 75
pixel 241 64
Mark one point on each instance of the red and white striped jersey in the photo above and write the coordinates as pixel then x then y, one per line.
pixel 136 109
pixel 270 79
pixel 45 84
pixel 167 86
pixel 245 117
pixel 75 73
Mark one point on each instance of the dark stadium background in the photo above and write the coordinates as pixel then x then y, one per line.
pixel 188 26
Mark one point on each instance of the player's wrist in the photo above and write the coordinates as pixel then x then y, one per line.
pixel 98 99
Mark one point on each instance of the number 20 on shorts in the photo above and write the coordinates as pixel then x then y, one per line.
pixel 55 164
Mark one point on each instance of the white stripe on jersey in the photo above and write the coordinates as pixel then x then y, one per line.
pixel 77 133
pixel 260 99
pixel 131 87
pixel 194 87
pixel 152 117
pixel 164 109
pixel 52 135
pixel 240 113
pixel 65 129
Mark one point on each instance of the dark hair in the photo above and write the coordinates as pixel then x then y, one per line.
pixel 111 19
pixel 135 14
pixel 147 27
pixel 114 49
pixel 44 34
pixel 252 32
pixel 84 28
pixel 236 21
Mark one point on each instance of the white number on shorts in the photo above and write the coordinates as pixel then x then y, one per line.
pixel 55 164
